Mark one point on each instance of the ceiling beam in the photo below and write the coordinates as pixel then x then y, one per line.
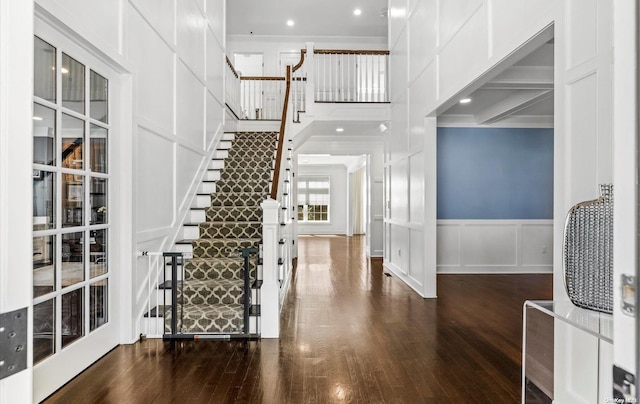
pixel 523 77
pixel 510 105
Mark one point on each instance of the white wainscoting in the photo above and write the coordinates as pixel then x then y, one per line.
pixel 495 246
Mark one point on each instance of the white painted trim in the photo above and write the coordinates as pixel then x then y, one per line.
pixel 400 274
pixel 625 169
pixel 520 121
pixel 16 146
pixel 462 258
pixel 83 352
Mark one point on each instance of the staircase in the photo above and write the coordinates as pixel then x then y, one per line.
pixel 211 294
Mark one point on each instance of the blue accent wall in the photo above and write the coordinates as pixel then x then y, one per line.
pixel 495 173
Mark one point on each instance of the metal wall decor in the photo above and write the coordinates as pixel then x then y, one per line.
pixel 588 252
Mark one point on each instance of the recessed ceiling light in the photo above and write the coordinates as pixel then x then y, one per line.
pixel 339 129
pixel 37 118
pixel 397 12
pixel 290 23
pixel 465 100
pixel 357 11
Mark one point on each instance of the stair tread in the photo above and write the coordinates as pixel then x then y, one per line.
pixel 189 240
pixel 185 241
pixel 212 283
pixel 222 222
pixel 196 260
pixel 252 207
pixel 212 310
pixel 230 239
pixel 238 193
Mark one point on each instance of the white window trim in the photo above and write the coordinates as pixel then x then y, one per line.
pixel 306 178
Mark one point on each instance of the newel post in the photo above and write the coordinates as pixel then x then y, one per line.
pixel 270 302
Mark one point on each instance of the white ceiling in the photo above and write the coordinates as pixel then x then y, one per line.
pixel 352 131
pixel 349 128
pixel 523 92
pixel 311 17
pixel 325 159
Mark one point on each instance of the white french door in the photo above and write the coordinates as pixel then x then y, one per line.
pixel 75 285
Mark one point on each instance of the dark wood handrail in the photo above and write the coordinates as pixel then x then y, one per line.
pixel 349 52
pixel 276 172
pixel 263 78
pixel 301 62
pixel 283 122
pixel 233 70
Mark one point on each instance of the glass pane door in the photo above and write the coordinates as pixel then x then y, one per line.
pixel 71 177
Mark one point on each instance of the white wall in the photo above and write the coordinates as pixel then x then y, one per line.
pixel 338 207
pixel 440 51
pixel 174 52
pixel 495 246
pixel 16 148
pixel 171 57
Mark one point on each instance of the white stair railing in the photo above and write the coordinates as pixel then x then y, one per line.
pixel 299 88
pixel 261 97
pixel 277 225
pixel 351 75
pixel 232 89
pixel 155 291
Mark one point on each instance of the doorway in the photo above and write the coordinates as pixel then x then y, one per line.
pixel 332 194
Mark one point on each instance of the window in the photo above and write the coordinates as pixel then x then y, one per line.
pixel 313 198
pixel 71 177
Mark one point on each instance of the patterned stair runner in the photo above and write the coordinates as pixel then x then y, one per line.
pixel 212 291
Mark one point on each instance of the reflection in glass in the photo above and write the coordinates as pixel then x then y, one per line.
pixel 98 97
pixel 44 135
pixel 44 270
pixel 44 186
pixel 72 200
pixel 44 326
pixel 72 258
pixel 44 70
pixel 72 84
pixel 99 143
pixel 72 141
pixel 98 304
pixel 98 200
pixel 98 253
pixel 72 316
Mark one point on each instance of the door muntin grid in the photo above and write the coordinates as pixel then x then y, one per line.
pixel 71 227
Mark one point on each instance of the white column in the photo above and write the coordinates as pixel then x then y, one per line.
pixel 270 292
pixel 310 67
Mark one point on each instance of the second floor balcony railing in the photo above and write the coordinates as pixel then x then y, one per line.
pixel 261 97
pixel 351 75
pixel 329 75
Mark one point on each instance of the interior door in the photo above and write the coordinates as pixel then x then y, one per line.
pixel 75 289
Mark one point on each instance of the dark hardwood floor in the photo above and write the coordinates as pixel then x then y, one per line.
pixel 349 334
